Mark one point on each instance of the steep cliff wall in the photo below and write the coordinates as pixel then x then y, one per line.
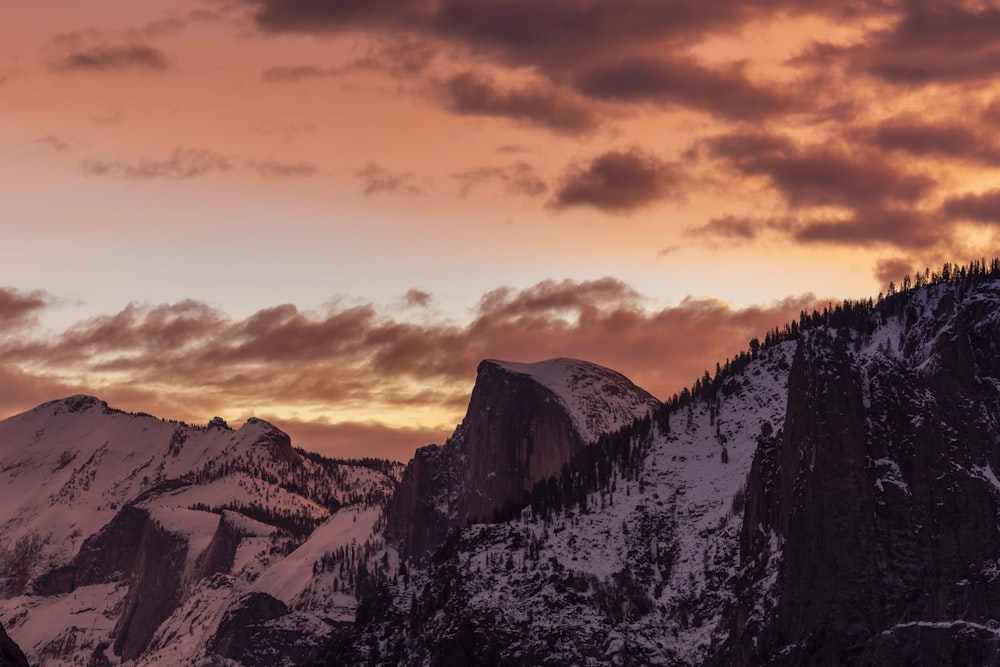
pixel 523 423
pixel 871 533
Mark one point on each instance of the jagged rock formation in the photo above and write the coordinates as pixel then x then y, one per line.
pixel 10 653
pixel 523 423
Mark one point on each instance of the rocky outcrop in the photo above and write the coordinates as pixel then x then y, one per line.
pixel 244 625
pixel 260 630
pixel 276 442
pixel 10 653
pixel 220 553
pixel 523 424
pixel 870 534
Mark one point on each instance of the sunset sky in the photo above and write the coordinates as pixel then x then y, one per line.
pixel 325 212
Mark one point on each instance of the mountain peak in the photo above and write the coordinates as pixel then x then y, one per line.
pixel 265 434
pixel 76 403
pixel 598 400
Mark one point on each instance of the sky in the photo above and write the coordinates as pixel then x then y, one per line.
pixel 325 212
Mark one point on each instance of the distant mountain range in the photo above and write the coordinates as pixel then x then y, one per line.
pixel 829 496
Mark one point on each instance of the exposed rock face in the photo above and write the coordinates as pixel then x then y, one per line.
pixel 10 653
pixel 240 628
pixel 875 511
pixel 155 589
pixel 417 516
pixel 517 432
pixel 275 441
pixel 109 555
pixel 218 557
pixel 523 423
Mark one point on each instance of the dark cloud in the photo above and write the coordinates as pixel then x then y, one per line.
pixel 109 58
pixel 893 269
pixel 948 139
pixel 322 15
pixel 740 228
pixel 563 32
pixel 900 227
pixel 378 180
pixel 538 104
pixel 556 35
pixel 181 164
pixel 399 56
pixel 174 359
pixel 931 41
pixel 823 174
pixel 518 179
pixel 185 164
pixel 981 208
pixel 274 170
pixel 513 149
pixel 417 297
pixel 402 58
pixel 286 74
pixel 726 91
pixel 19 309
pixel 551 296
pixel 619 182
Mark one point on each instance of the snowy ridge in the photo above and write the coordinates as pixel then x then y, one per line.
pixel 235 503
pixel 643 570
pixel 598 399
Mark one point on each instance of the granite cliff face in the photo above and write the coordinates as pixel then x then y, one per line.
pixel 871 533
pixel 523 423
pixel 832 498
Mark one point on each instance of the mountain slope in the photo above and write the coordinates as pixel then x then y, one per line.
pixel 831 499
pixel 119 522
pixel 639 565
pixel 523 423
pixel 878 513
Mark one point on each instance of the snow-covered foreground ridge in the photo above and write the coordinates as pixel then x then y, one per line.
pixel 120 528
pixel 830 496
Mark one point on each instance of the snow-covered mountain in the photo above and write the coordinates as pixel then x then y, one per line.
pixel 636 560
pixel 130 537
pixel 829 497
pixel 523 423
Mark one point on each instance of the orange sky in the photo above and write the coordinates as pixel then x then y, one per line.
pixel 326 212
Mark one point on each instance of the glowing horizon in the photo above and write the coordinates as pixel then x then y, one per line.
pixel 626 182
